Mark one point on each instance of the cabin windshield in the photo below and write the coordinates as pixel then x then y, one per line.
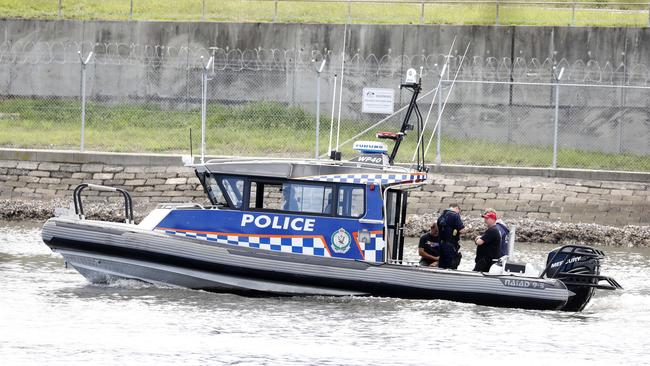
pixel 233 188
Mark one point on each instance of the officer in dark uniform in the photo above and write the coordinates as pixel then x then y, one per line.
pixel 450 226
pixel 429 247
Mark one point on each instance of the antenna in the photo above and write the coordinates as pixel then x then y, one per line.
pixel 337 154
pixel 329 147
pixel 437 93
pixel 447 98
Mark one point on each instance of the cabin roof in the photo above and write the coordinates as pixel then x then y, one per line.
pixel 314 170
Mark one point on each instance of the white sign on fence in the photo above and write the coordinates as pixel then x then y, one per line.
pixel 378 100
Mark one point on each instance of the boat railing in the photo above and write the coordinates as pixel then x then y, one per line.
pixel 78 205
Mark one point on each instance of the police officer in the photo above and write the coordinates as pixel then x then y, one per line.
pixel 429 247
pixel 450 226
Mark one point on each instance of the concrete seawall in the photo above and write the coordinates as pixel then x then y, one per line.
pixel 160 62
pixel 573 196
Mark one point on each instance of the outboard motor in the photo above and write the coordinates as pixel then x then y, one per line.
pixel 578 267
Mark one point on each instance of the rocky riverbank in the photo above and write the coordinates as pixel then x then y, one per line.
pixel 528 230
pixel 537 231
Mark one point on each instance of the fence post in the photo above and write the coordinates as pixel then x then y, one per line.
pixel 422 12
pixel 131 11
pixel 204 102
pixel 275 11
pixel 649 14
pixel 497 16
pixel 83 98
pixel 438 138
pixel 557 114
pixel 319 70
pixel 59 9
pixel 350 11
pixel 202 9
pixel 573 14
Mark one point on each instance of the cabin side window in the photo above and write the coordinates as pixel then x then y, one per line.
pixel 234 188
pixel 307 198
pixel 215 192
pixel 291 197
pixel 220 187
pixel 351 201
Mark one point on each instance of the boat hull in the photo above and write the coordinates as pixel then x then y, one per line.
pixel 102 251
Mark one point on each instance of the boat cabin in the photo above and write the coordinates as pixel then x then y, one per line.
pixel 328 208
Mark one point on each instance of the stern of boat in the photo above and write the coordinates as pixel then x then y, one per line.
pixel 578 267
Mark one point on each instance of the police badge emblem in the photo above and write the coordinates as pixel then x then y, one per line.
pixel 341 241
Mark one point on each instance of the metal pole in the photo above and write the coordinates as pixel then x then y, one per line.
pixel 422 12
pixel 83 98
pixel 204 101
pixel 349 14
pixel 317 115
pixel 557 117
pixel 648 14
pixel 555 122
pixel 60 8
pixel 275 12
pixel 204 97
pixel 439 132
pixel 573 14
pixel 202 9
pixel 131 11
pixel 83 106
pixel 318 72
pixel 497 16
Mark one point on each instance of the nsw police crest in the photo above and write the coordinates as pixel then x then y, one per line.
pixel 341 241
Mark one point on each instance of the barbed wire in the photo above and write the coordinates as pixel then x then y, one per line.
pixel 369 65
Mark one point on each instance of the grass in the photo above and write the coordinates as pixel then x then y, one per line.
pixel 610 14
pixel 256 129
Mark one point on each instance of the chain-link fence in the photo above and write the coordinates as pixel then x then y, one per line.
pixel 267 107
pixel 499 12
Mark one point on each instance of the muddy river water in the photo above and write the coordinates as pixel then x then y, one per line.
pixel 52 315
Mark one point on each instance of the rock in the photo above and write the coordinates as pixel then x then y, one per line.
pixel 540 231
pixel 528 230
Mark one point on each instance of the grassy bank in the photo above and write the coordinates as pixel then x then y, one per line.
pixel 606 14
pixel 259 129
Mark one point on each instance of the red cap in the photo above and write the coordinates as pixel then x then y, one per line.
pixel 490 215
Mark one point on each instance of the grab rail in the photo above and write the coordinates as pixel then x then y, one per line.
pixel 78 206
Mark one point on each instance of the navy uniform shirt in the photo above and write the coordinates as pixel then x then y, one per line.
pixel 430 244
pixel 453 224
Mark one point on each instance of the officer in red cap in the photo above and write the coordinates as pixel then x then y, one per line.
pixel 487 245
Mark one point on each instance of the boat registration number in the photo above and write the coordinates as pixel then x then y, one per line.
pixel 511 282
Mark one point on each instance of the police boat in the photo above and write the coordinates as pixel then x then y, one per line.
pixel 307 227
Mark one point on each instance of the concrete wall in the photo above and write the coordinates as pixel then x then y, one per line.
pixel 575 196
pixel 159 62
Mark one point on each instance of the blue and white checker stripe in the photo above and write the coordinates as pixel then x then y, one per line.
pixel 299 245
pixel 374 251
pixel 380 179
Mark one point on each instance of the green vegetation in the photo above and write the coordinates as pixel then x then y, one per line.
pixel 607 14
pixel 257 129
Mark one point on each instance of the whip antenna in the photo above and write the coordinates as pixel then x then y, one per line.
pixel 437 93
pixel 451 87
pixel 336 154
pixel 329 147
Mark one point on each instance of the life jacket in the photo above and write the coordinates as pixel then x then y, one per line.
pixel 504 231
